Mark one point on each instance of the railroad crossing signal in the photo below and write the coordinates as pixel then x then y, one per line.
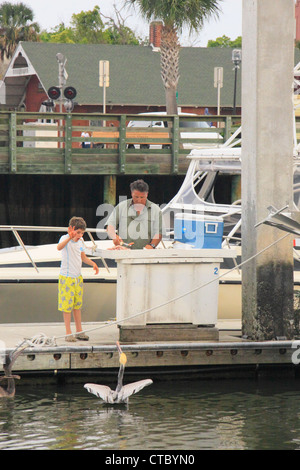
pixel 54 93
pixel 70 93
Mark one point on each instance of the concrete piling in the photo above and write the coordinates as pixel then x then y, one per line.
pixel 267 158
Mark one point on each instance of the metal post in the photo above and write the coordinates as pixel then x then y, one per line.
pixel 62 76
pixel 104 90
pixel 104 81
pixel 236 59
pixel 218 83
pixel 234 91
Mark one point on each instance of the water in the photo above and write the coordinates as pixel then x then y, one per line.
pixel 191 415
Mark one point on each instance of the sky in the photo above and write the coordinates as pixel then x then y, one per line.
pixel 50 14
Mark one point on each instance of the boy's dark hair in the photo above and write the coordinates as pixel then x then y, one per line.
pixel 139 185
pixel 78 223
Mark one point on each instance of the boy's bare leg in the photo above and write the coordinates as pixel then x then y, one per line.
pixel 67 320
pixel 77 319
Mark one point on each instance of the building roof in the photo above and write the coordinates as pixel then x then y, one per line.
pixel 134 73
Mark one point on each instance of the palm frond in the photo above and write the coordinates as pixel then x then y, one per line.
pixel 178 13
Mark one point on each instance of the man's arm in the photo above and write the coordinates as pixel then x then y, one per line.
pixel 111 231
pixel 155 241
pixel 156 226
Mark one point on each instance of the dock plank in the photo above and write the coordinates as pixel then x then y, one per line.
pixel 99 355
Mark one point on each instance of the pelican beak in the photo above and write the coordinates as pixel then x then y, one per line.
pixel 123 357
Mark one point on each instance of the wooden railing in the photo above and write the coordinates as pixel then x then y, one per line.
pixel 50 143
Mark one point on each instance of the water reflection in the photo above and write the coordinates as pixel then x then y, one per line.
pixel 183 416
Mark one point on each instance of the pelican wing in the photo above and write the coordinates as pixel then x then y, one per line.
pixel 12 357
pixel 134 387
pixel 101 391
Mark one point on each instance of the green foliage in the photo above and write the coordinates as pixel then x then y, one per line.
pixel 60 34
pixel 87 27
pixel 178 13
pixel 16 25
pixel 225 41
pixel 122 36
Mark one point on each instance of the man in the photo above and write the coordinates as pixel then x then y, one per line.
pixel 137 220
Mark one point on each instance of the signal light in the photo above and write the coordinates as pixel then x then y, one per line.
pixel 70 93
pixel 54 93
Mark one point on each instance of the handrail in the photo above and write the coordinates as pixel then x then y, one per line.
pixel 50 143
pixel 32 228
pixel 39 228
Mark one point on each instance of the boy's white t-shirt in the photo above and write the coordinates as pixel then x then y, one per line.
pixel 71 257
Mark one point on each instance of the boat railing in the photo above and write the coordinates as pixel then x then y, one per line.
pixel 15 229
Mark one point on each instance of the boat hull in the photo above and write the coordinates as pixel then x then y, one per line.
pixel 34 300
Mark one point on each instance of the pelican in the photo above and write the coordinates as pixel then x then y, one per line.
pixel 122 393
pixel 10 390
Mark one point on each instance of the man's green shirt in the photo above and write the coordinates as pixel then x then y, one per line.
pixel 134 227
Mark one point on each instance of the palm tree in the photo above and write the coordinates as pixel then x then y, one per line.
pixel 15 25
pixel 175 14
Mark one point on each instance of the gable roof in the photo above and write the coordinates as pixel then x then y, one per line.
pixel 134 73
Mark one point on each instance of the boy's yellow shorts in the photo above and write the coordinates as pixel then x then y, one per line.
pixel 70 293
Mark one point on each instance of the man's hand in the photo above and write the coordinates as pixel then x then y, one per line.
pixel 117 241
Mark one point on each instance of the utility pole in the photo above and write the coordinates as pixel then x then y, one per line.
pixel 110 181
pixel 62 78
pixel 236 59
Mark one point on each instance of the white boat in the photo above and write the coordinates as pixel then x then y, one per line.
pixel 29 276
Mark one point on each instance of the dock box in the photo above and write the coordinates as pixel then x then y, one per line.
pixel 199 231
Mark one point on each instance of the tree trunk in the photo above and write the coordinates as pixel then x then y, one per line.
pixel 169 62
pixel 171 102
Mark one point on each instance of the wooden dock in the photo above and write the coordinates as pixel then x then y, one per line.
pixel 29 146
pixel 231 356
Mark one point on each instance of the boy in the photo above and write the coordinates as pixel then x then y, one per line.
pixel 70 286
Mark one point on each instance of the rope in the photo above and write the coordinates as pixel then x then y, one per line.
pixel 42 340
